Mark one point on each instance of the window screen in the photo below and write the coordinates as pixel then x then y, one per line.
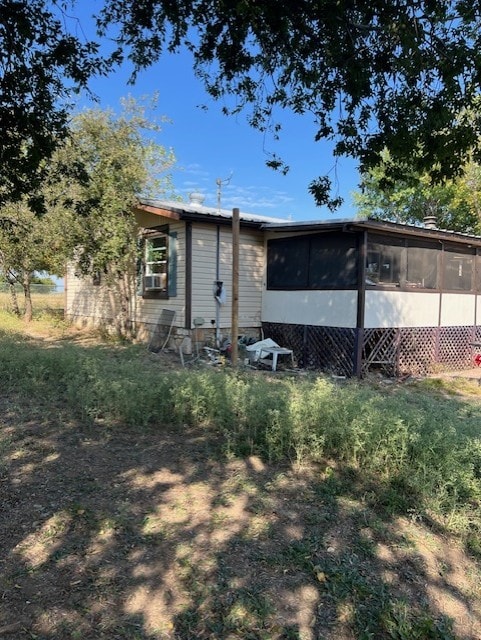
pixel 422 264
pixel 287 263
pixel 326 261
pixel 333 261
pixel 458 269
pixel 478 271
pixel 384 257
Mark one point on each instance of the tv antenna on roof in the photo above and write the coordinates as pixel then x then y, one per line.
pixel 219 182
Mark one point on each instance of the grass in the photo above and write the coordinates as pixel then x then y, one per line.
pixel 41 301
pixel 422 450
pixel 362 456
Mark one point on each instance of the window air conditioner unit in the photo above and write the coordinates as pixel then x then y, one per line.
pixel 154 282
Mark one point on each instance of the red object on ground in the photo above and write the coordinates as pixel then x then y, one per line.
pixel 477 359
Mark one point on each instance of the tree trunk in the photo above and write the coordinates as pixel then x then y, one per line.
pixel 28 313
pixel 13 298
pixel 123 320
pixel 121 298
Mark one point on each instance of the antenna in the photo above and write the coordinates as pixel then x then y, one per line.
pixel 219 182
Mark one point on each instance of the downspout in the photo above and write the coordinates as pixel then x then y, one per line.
pixel 216 288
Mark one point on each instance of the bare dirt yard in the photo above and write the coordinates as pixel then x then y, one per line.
pixel 156 534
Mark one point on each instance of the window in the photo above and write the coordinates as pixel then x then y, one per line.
pixel 157 264
pixel 422 264
pixel 407 263
pixel 458 269
pixel 384 258
pixel 318 261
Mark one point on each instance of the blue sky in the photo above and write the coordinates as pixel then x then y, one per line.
pixel 209 145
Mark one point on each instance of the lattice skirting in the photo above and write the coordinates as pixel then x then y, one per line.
pixel 395 351
pixel 325 348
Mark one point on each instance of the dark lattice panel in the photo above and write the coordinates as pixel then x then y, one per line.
pixel 454 350
pixel 290 336
pixel 379 351
pixel 331 349
pixel 325 348
pixel 417 350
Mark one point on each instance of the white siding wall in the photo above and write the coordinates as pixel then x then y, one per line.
pixel 86 302
pixel 251 265
pixel 317 308
pixel 92 304
pixel 414 309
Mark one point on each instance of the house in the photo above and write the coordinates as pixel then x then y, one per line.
pixel 348 296
pixel 186 267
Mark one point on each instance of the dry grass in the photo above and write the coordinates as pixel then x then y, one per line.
pixel 41 301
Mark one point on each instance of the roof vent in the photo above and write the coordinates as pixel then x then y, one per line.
pixel 196 198
pixel 430 222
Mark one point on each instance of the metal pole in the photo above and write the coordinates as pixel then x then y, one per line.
pixel 235 285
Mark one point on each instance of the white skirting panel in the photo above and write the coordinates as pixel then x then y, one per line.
pixel 316 308
pixel 457 309
pixel 385 309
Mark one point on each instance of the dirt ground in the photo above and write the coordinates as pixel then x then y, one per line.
pixel 115 533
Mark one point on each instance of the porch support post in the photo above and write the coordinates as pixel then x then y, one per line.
pixel 437 337
pixel 361 304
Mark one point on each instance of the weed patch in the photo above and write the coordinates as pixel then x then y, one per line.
pixel 171 504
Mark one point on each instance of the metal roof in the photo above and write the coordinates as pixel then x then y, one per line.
pixel 380 226
pixel 200 211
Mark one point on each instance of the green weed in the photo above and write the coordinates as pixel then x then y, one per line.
pixel 422 450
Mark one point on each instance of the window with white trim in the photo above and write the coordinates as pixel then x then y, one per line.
pixel 157 265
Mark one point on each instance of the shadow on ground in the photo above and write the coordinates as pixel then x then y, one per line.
pixel 116 533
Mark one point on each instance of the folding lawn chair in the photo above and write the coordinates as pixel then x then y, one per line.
pixel 161 333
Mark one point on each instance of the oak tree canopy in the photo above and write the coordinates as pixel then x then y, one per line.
pixel 402 75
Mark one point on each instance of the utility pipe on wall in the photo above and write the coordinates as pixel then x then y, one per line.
pixel 235 285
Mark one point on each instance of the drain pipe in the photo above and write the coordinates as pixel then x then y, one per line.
pixel 217 287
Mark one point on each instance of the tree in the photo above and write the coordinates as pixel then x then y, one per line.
pixel 380 74
pixel 88 221
pixel 41 65
pixel 121 162
pixel 455 204
pixel 27 244
pixel 373 75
